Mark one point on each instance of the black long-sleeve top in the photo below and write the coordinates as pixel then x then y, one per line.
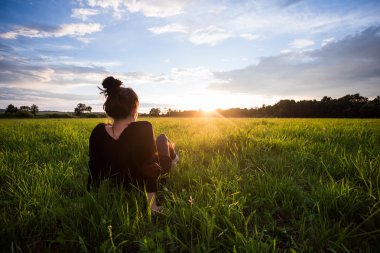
pixel 132 158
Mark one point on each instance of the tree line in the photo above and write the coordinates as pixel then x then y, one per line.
pixel 81 110
pixel 349 106
pixel 23 111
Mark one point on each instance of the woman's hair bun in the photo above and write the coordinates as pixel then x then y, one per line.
pixel 110 85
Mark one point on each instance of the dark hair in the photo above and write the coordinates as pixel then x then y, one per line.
pixel 120 101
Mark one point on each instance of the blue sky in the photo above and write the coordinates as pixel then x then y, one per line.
pixel 187 54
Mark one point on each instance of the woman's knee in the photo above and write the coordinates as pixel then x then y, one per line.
pixel 162 138
pixel 162 143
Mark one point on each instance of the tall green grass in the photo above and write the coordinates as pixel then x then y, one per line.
pixel 242 185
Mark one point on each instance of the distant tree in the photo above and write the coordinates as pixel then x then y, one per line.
pixel 376 99
pixel 24 108
pixel 11 109
pixel 169 112
pixel 154 112
pixel 370 110
pixel 81 108
pixel 326 99
pixel 34 109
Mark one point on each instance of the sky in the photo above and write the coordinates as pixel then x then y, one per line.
pixel 187 54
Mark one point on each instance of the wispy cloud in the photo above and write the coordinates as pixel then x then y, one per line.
pixel 25 94
pixel 328 41
pixel 170 28
pixel 71 30
pixel 211 36
pixel 176 76
pixel 349 65
pixel 301 43
pixel 265 19
pixel 152 8
pixel 23 71
pixel 249 36
pixel 83 13
pixel 149 8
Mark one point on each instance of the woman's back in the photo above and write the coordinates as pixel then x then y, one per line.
pixel 130 159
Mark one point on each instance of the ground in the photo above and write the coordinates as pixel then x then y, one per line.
pixel 242 185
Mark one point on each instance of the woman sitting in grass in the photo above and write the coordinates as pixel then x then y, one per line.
pixel 126 151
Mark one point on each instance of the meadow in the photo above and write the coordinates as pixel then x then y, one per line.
pixel 242 185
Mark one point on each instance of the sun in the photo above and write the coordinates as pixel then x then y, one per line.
pixel 208 109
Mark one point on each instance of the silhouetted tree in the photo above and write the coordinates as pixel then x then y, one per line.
pixel 34 109
pixel 24 108
pixel 11 109
pixel 81 108
pixel 154 112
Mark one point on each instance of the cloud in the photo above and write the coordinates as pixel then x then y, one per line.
pixel 116 6
pixel 149 8
pixel 249 36
pixel 49 82
pixel 24 94
pixel 176 76
pixel 209 36
pixel 286 3
pixel 44 71
pixel 267 20
pixel 170 28
pixel 348 65
pixel 301 43
pixel 153 8
pixel 5 48
pixel 327 41
pixel 71 30
pixel 212 22
pixel 83 13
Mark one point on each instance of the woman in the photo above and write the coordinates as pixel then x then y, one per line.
pixel 126 150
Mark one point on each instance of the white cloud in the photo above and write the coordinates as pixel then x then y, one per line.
pixel 115 5
pixel 154 8
pixel 171 28
pixel 249 20
pixel 328 41
pixel 249 36
pixel 71 30
pixel 149 8
pixel 176 76
pixel 285 51
pixel 22 31
pixel 78 29
pixel 209 36
pixel 83 13
pixel 334 70
pixel 301 43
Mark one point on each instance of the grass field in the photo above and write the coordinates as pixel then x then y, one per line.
pixel 242 185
